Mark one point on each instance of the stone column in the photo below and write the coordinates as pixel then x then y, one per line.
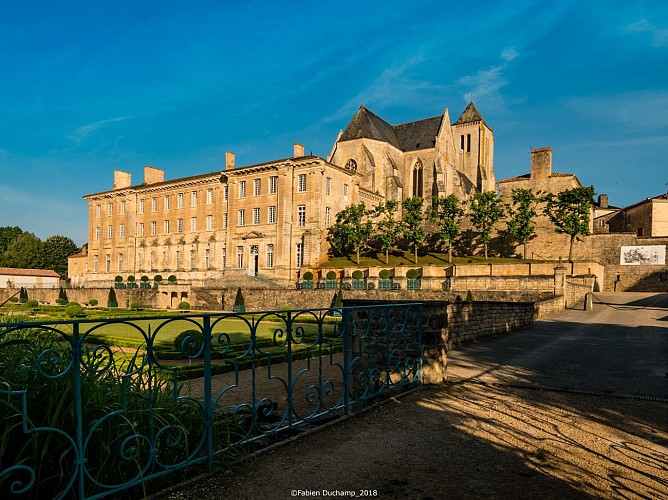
pixel 559 279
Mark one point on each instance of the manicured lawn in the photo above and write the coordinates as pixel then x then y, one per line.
pixel 408 259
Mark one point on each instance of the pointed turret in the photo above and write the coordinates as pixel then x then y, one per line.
pixel 470 115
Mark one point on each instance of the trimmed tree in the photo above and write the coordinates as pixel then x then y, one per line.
pixel 239 302
pixel 447 213
pixel 351 232
pixel 486 211
pixel 388 229
pixel 111 298
pixel 569 211
pixel 521 225
pixel 413 222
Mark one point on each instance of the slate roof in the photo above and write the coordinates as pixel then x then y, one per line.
pixel 409 136
pixel 470 115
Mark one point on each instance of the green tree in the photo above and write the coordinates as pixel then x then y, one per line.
pixel 7 235
pixel 56 251
pixel 413 222
pixel 447 213
pixel 486 211
pixel 569 211
pixel 351 232
pixel 521 225
pixel 24 252
pixel 387 228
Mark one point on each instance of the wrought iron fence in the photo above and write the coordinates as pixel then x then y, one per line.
pixel 90 408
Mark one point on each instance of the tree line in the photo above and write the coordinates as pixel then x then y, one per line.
pixel 23 250
pixel 358 229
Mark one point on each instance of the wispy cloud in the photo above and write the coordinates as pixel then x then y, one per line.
pixel 635 111
pixel 84 131
pixel 509 53
pixel 485 84
pixel 659 35
pixel 393 86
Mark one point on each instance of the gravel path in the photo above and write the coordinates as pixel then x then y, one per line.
pixel 466 441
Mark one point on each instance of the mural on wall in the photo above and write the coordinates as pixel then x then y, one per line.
pixel 650 255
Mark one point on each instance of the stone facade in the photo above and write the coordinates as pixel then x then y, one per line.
pixel 648 218
pixel 425 158
pixel 269 219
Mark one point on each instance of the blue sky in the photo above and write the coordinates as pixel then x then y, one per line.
pixel 89 87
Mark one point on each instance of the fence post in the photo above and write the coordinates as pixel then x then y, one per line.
pixel 80 460
pixel 208 410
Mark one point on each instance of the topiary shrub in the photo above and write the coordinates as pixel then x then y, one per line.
pixel 189 342
pixel 93 302
pixel 135 304
pixel 331 275
pixel 111 298
pixel 171 278
pixel 14 299
pixel 131 279
pixel 339 299
pixel 144 278
pixel 285 308
pixel 60 302
pixel 32 303
pixel 384 274
pixel 357 274
pixel 308 276
pixel 157 278
pixel 118 279
pixel 23 295
pixel 62 296
pixel 412 274
pixel 184 306
pixel 469 296
pixel 74 310
pixel 239 302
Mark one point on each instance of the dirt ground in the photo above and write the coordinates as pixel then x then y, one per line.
pixel 466 441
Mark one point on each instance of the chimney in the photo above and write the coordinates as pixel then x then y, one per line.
pixel 541 163
pixel 121 180
pixel 298 150
pixel 603 200
pixel 229 160
pixel 153 175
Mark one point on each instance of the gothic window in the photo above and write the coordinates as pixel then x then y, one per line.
pixel 417 178
pixel 351 165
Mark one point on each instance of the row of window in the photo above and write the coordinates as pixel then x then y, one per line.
pixel 241 221
pixel 269 259
pixel 257 191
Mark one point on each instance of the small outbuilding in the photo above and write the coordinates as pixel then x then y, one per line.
pixel 28 278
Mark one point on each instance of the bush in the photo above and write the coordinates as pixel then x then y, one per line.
pixel 60 301
pixel 157 278
pixel 469 296
pixel 74 310
pixel 14 299
pixel 331 275
pixel 184 306
pixel 93 302
pixel 239 299
pixel 171 278
pixel 131 279
pixel 412 274
pixel 189 342
pixel 338 302
pixel 285 308
pixel 135 304
pixel 32 303
pixel 144 278
pixel 308 276
pixel 118 279
pixel 357 274
pixel 384 274
pixel 111 298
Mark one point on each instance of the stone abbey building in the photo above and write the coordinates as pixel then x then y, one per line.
pixel 271 219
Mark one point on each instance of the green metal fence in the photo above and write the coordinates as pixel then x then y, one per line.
pixel 91 408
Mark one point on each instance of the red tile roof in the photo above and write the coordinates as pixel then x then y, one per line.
pixel 46 273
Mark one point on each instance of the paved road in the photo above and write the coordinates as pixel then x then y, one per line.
pixel 621 346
